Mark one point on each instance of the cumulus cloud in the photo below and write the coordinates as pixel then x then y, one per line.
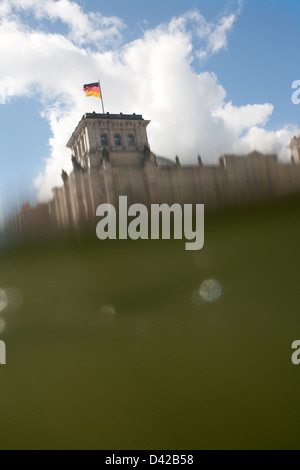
pixel 239 118
pixel 84 28
pixel 153 75
pixel 208 38
pixel 266 141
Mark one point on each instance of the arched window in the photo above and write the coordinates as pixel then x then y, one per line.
pixel 104 140
pixel 131 141
pixel 118 140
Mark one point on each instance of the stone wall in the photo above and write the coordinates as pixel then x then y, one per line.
pixel 102 173
pixel 236 180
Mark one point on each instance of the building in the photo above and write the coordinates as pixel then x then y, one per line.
pixel 111 156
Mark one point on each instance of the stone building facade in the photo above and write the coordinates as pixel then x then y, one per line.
pixel 111 156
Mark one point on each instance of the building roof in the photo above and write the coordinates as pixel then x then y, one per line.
pixel 164 162
pixel 135 117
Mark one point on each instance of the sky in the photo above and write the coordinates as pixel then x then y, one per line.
pixel 213 76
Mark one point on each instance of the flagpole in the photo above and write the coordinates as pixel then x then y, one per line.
pixel 101 97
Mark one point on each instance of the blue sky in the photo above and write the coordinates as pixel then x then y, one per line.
pixel 213 76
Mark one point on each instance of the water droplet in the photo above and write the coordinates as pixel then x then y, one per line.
pixel 108 309
pixel 11 299
pixel 3 300
pixel 210 290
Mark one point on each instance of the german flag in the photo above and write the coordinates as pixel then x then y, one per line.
pixel 92 89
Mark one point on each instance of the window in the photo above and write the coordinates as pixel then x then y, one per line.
pixel 104 140
pixel 131 142
pixel 118 141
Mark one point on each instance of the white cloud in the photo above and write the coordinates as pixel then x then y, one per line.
pixel 243 117
pixel 208 38
pixel 218 36
pixel 153 75
pixel 267 141
pixel 84 28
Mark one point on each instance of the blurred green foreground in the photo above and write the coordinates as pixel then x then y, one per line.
pixel 111 345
